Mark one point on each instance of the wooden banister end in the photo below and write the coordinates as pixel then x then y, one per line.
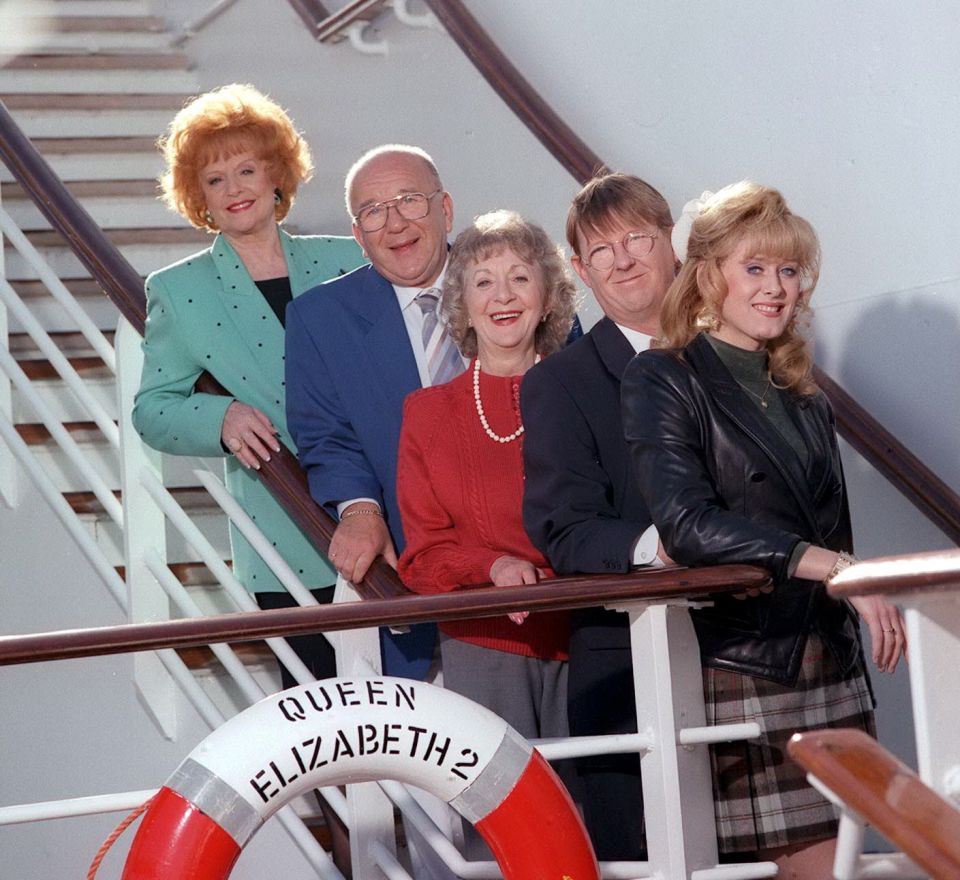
pixel 886 793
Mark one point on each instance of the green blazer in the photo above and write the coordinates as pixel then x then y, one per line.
pixel 206 313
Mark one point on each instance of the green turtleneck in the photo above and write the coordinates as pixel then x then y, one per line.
pixel 749 368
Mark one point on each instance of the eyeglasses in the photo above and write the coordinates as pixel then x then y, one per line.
pixel 410 206
pixel 637 244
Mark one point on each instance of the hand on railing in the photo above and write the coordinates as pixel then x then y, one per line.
pixel 249 434
pixel 360 540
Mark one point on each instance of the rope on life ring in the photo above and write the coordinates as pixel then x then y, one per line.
pixel 346 730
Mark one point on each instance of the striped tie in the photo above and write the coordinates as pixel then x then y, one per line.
pixel 443 359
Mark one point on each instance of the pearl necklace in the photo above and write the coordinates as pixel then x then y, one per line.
pixel 483 417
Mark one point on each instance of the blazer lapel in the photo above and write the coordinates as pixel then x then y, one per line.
pixel 385 341
pixel 257 328
pixel 612 346
pixel 736 404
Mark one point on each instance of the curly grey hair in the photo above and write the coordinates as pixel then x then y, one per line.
pixel 489 234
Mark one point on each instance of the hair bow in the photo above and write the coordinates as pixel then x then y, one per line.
pixel 680 237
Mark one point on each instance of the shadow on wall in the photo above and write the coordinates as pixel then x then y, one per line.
pixel 899 355
pixel 901 360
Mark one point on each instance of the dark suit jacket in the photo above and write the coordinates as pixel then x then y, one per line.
pixel 582 511
pixel 580 506
pixel 349 367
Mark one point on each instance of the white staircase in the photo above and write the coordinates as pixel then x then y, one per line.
pixel 94 84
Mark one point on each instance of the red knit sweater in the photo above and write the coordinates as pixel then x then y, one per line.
pixel 460 496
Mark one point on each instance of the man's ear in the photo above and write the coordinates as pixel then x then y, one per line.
pixel 358 235
pixel 581 270
pixel 447 205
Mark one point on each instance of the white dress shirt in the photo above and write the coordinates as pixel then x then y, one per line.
pixel 645 548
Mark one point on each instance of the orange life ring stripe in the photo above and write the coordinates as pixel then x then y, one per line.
pixel 344 730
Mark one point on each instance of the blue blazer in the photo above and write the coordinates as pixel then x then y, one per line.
pixel 349 366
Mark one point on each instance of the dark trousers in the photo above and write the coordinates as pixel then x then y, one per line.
pixel 313 649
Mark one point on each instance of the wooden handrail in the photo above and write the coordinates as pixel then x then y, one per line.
pixel 568 592
pixel 886 793
pixel 561 141
pixel 119 280
pixel 311 13
pixel 889 575
pixel 924 489
pixel 911 477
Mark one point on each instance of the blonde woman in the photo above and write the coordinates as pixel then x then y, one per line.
pixel 736 455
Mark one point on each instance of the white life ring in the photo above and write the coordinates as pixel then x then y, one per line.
pixel 345 730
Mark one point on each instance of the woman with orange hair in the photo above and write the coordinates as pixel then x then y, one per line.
pixel 234 162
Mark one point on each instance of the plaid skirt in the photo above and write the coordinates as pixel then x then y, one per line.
pixel 761 796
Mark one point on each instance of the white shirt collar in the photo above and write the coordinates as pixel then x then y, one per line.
pixel 406 295
pixel 639 341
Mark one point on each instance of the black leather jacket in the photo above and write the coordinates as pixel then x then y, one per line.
pixel 723 486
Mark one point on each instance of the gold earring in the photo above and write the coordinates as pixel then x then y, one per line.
pixel 208 217
pixel 707 319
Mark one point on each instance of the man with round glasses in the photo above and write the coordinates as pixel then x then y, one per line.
pixel 356 347
pixel 581 508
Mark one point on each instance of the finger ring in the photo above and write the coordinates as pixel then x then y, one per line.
pixel 889 630
pixel 236 443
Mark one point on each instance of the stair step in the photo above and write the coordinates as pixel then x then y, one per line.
pixel 63 404
pixel 190 574
pixel 120 237
pixel 145 252
pixel 95 160
pixel 115 22
pixel 89 7
pixel 250 653
pixel 37 435
pixel 171 102
pixel 53 122
pixel 81 288
pixel 178 470
pixel 97 85
pixel 140 188
pixel 204 513
pixel 108 213
pixel 22 345
pixel 193 499
pixel 72 43
pixel 99 61
pixel 53 317
pixel 88 367
pixel 69 146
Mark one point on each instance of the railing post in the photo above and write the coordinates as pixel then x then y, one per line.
pixel 677 788
pixel 369 810
pixel 8 464
pixel 933 633
pixel 144 530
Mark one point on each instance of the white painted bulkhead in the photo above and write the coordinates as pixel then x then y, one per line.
pixel 850 108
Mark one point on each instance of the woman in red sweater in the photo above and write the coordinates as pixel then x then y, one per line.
pixel 509 301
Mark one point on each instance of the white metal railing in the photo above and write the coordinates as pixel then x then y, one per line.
pixel 193 27
pixel 69 446
pixel 58 290
pixel 59 362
